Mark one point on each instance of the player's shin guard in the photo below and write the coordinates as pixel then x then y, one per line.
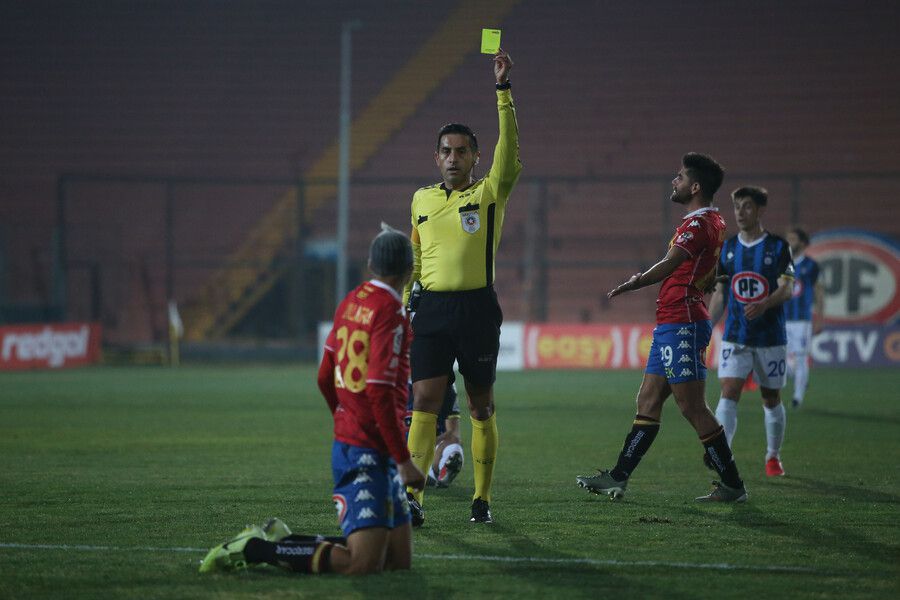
pixel 775 422
pixel 422 436
pixel 726 414
pixel 721 458
pixel 313 556
pixel 484 452
pixel 637 442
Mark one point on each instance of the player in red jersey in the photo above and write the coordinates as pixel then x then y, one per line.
pixel 363 377
pixel 676 364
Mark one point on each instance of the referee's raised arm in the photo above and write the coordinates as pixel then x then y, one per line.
pixel 506 167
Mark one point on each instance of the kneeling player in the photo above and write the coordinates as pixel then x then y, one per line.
pixel 363 378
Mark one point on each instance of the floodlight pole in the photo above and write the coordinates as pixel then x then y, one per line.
pixel 343 216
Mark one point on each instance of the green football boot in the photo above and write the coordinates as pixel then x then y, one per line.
pixel 603 483
pixel 275 530
pixel 230 555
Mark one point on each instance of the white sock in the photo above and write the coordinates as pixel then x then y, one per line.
pixel 449 450
pixel 726 413
pixel 431 472
pixel 775 422
pixel 801 377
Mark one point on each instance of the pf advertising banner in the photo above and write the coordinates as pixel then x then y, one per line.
pixel 52 345
pixel 860 272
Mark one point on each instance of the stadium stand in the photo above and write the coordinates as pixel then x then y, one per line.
pixel 218 90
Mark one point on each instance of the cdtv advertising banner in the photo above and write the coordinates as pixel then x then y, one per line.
pixel 49 346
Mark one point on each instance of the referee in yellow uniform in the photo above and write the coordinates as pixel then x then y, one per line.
pixel 456 228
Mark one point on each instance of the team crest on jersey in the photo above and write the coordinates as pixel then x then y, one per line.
pixel 340 505
pixel 687 235
pixel 797 291
pixel 749 286
pixel 471 221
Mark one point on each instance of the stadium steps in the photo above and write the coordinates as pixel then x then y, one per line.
pixel 249 273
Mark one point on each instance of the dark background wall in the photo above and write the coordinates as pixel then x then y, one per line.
pixel 250 89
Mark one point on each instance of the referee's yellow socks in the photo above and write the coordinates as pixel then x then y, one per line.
pixel 422 436
pixel 484 453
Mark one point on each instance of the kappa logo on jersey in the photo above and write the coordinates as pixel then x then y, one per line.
pixel 749 286
pixel 685 373
pixel 685 359
pixel 694 223
pixel 362 478
pixel 684 344
pixel 366 459
pixel 684 331
pixel 364 495
pixel 340 505
pixel 471 221
pixel 366 513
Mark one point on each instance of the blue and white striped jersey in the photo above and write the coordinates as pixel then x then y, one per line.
pixel 753 270
pixel 800 306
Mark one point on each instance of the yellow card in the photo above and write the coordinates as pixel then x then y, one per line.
pixel 490 41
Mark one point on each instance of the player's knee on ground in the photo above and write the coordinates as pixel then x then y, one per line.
pixel 347 562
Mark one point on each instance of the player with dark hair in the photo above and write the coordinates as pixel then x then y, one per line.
pixel 676 364
pixel 363 377
pixel 456 228
pixel 802 313
pixel 761 275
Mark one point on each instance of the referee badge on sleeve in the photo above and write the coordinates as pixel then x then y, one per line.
pixel 471 222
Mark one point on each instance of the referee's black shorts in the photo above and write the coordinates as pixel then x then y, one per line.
pixel 461 326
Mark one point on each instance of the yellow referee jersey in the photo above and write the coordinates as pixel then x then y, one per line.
pixel 459 235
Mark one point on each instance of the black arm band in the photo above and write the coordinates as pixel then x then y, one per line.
pixel 504 86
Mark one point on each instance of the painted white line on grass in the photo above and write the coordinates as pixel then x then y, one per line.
pixel 96 548
pixel 595 562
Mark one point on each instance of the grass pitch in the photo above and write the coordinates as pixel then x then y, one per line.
pixel 113 480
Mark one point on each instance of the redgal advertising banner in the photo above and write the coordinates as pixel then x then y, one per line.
pixel 49 346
